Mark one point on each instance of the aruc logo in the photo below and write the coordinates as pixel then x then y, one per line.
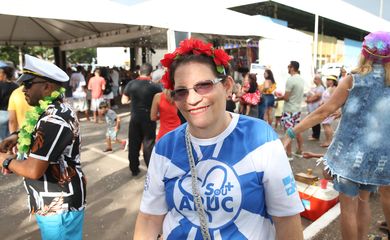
pixel 220 190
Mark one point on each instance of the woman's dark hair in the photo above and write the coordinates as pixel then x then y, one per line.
pixel 270 75
pixel 8 71
pixel 198 59
pixel 252 82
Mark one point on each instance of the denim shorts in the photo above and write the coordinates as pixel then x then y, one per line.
pixel 351 188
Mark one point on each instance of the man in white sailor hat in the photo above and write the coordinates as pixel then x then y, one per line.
pixel 48 154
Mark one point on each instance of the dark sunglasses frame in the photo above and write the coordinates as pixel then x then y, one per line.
pixel 28 84
pixel 201 88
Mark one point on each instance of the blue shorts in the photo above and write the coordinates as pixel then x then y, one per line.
pixel 111 133
pixel 64 226
pixel 351 188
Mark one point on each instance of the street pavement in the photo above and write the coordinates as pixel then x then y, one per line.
pixel 113 195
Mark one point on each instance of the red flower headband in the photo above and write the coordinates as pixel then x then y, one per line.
pixel 195 47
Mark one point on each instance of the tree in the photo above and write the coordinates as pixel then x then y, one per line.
pixel 11 53
pixel 83 55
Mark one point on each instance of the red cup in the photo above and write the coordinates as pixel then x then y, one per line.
pixel 324 183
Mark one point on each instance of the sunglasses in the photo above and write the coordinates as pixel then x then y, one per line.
pixel 201 88
pixel 28 84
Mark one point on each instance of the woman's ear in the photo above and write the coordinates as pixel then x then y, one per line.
pixel 228 84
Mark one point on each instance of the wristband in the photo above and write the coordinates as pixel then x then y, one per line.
pixel 290 133
pixel 14 133
pixel 6 162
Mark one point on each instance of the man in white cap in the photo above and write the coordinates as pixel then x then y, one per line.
pixel 48 153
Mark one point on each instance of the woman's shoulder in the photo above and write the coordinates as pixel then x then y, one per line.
pixel 256 128
pixel 167 143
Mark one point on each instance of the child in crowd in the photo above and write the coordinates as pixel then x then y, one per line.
pixel 250 95
pixel 113 125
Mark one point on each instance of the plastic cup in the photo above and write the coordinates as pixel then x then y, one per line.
pixel 324 183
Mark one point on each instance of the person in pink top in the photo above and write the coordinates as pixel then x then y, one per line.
pixel 96 85
pixel 165 110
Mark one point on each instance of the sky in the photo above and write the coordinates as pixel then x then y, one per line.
pixel 373 6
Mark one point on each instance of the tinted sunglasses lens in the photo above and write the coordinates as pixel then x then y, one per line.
pixel 179 94
pixel 203 87
pixel 27 84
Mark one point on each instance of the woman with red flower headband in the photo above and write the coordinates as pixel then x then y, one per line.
pixel 220 175
pixel 359 156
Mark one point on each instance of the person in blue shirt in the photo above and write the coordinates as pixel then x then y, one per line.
pixel 220 175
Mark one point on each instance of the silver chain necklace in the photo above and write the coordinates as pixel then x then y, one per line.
pixel 195 190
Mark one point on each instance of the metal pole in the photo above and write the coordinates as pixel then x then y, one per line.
pixel 315 43
pixel 20 59
pixel 381 9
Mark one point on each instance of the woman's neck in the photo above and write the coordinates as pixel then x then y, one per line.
pixel 213 130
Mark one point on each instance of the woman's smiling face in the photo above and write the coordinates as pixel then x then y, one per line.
pixel 203 112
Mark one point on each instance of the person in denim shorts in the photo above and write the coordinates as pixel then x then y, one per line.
pixel 358 157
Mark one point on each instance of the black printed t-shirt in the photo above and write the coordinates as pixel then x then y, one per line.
pixel 56 139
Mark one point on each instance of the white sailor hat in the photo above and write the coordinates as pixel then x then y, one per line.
pixel 35 67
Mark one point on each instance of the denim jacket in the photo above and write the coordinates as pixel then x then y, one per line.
pixel 360 150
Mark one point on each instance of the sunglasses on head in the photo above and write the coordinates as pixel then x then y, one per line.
pixel 28 84
pixel 201 88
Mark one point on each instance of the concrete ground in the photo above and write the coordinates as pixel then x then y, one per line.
pixel 113 195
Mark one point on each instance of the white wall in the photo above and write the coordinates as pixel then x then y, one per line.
pixel 158 56
pixel 277 54
pixel 113 56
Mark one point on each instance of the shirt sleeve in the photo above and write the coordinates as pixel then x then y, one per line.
pixel 52 136
pixel 289 85
pixel 127 89
pixel 281 194
pixel 153 200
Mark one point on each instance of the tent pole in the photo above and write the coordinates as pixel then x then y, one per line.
pixel 59 58
pixel 20 59
pixel 315 43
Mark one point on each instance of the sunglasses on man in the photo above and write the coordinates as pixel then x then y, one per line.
pixel 28 84
pixel 201 88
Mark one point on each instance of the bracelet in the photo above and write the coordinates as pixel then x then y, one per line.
pixel 290 133
pixel 14 133
pixel 6 162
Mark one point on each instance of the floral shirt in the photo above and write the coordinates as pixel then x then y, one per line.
pixel 56 139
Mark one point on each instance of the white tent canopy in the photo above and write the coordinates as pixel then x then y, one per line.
pixel 75 24
pixel 51 23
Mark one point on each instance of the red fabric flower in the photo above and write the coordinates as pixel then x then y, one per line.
pixel 166 81
pixel 186 46
pixel 168 59
pixel 221 58
pixel 196 47
pixel 202 48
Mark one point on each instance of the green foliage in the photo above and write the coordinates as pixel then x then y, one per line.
pixel 11 53
pixel 83 55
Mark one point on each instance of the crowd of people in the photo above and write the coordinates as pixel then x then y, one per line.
pixel 196 184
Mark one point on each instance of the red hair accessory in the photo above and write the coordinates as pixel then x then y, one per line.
pixel 195 47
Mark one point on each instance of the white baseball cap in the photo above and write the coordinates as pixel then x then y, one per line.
pixel 35 67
